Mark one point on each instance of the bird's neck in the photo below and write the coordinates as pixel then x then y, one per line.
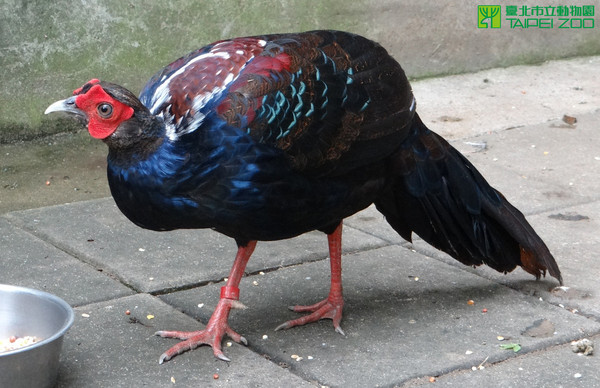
pixel 135 140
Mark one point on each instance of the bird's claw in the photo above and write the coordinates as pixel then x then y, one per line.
pixel 283 326
pixel 328 308
pixel 193 339
pixel 163 357
pixel 221 356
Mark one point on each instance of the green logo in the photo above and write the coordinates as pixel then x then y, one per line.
pixel 488 16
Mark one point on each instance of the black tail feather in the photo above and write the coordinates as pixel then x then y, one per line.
pixel 439 195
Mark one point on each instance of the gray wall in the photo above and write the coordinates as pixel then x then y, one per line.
pixel 49 48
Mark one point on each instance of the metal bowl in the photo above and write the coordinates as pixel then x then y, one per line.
pixel 28 312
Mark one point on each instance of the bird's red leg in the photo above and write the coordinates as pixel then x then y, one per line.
pixel 217 326
pixel 332 306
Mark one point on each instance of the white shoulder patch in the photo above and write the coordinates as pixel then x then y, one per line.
pixel 160 103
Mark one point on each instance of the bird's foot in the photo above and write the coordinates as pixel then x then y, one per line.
pixel 212 335
pixel 193 339
pixel 330 308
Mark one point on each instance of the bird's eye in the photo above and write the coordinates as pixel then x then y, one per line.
pixel 105 110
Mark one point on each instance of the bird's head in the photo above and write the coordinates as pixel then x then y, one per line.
pixel 112 112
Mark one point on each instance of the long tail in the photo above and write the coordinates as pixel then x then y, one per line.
pixel 438 194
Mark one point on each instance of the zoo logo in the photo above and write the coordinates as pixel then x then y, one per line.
pixel 488 16
pixel 538 16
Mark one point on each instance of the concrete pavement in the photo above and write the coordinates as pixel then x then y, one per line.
pixel 407 316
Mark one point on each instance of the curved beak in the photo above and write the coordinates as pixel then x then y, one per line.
pixel 67 105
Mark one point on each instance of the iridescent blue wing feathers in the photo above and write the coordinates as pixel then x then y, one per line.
pixel 308 95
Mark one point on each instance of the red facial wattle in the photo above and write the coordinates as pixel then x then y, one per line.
pixel 101 126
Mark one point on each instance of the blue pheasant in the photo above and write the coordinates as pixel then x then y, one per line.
pixel 269 137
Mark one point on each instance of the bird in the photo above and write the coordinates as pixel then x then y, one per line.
pixel 267 137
